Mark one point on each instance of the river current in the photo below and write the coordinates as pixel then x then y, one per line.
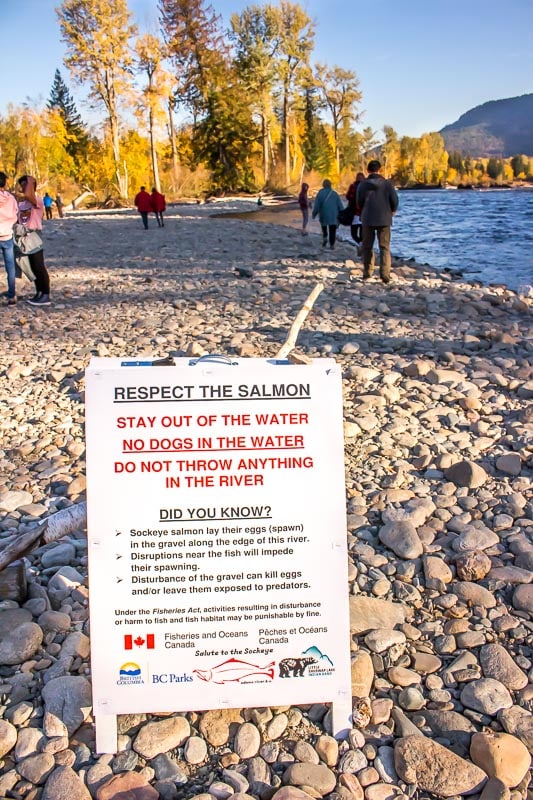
pixel 486 234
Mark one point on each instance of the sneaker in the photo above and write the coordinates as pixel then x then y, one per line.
pixel 40 300
pixel 12 301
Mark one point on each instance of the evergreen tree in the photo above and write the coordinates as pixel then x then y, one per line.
pixel 316 148
pixel 494 168
pixel 61 100
pixel 520 166
pixel 455 160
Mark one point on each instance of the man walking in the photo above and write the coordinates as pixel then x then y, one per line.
pixel 144 205
pixel 47 202
pixel 378 201
pixel 8 217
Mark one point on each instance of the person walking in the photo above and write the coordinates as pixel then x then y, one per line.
pixel 30 214
pixel 47 202
pixel 351 196
pixel 59 204
pixel 158 206
pixel 8 217
pixel 326 207
pixel 144 205
pixel 378 201
pixel 305 204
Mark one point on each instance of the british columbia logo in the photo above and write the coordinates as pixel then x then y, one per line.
pixel 130 673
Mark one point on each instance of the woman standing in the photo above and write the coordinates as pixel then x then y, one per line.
pixel 327 206
pixel 303 202
pixel 31 210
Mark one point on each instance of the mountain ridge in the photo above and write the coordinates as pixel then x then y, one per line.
pixel 497 128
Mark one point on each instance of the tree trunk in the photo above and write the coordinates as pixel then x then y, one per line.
pixel 266 149
pixel 173 149
pixel 153 152
pixel 286 136
pixel 115 144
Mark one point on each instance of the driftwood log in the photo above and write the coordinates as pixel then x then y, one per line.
pixel 73 519
pixel 62 523
pixel 290 342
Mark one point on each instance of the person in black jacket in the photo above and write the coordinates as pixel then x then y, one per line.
pixel 378 201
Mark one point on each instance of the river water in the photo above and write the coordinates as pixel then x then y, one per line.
pixel 486 234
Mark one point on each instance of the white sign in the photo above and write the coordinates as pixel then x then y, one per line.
pixel 217 536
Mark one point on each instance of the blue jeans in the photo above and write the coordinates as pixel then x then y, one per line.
pixel 6 246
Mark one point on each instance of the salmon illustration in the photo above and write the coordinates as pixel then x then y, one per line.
pixel 234 670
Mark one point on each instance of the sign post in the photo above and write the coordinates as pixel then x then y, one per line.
pixel 217 537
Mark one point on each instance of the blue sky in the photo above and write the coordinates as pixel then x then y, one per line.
pixel 420 63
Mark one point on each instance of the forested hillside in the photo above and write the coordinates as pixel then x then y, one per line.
pixel 500 128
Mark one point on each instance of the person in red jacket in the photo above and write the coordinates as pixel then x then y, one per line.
pixel 144 205
pixel 158 206
pixel 351 196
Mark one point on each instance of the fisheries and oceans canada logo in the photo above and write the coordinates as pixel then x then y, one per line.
pixel 129 674
pixel 139 642
pixel 312 663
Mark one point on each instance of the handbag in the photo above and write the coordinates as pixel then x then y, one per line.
pixel 26 240
pixel 23 267
pixel 346 216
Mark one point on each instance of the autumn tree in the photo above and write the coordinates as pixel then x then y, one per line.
pixel 432 159
pixel 256 37
pixel 390 152
pixel 34 140
pixel 208 85
pixel 297 35
pixel 155 92
pixel 20 134
pixel 339 93
pixel 97 35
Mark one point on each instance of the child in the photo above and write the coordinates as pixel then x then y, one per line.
pixel 304 203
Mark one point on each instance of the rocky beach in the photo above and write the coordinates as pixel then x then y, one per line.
pixel 438 420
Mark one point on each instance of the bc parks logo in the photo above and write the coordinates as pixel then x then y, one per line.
pixel 130 674
pixel 171 677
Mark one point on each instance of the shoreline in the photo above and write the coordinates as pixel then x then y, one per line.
pixel 292 220
pixel 437 379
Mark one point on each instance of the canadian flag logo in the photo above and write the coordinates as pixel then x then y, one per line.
pixel 147 641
